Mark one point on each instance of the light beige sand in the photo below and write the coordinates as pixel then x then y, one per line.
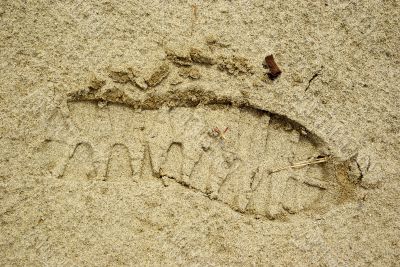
pixel 149 134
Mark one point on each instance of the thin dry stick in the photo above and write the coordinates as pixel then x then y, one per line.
pixel 194 18
pixel 304 163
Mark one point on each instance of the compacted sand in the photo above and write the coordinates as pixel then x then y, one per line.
pixel 150 133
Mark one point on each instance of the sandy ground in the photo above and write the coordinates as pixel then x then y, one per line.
pixel 147 133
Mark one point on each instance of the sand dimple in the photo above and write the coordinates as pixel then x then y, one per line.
pixel 227 153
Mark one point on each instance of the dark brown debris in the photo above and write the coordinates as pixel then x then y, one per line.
pixel 274 70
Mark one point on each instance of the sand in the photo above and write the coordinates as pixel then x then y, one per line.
pixel 149 133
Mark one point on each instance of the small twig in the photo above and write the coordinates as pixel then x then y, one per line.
pixel 313 77
pixel 303 163
pixel 194 18
pixel 216 132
